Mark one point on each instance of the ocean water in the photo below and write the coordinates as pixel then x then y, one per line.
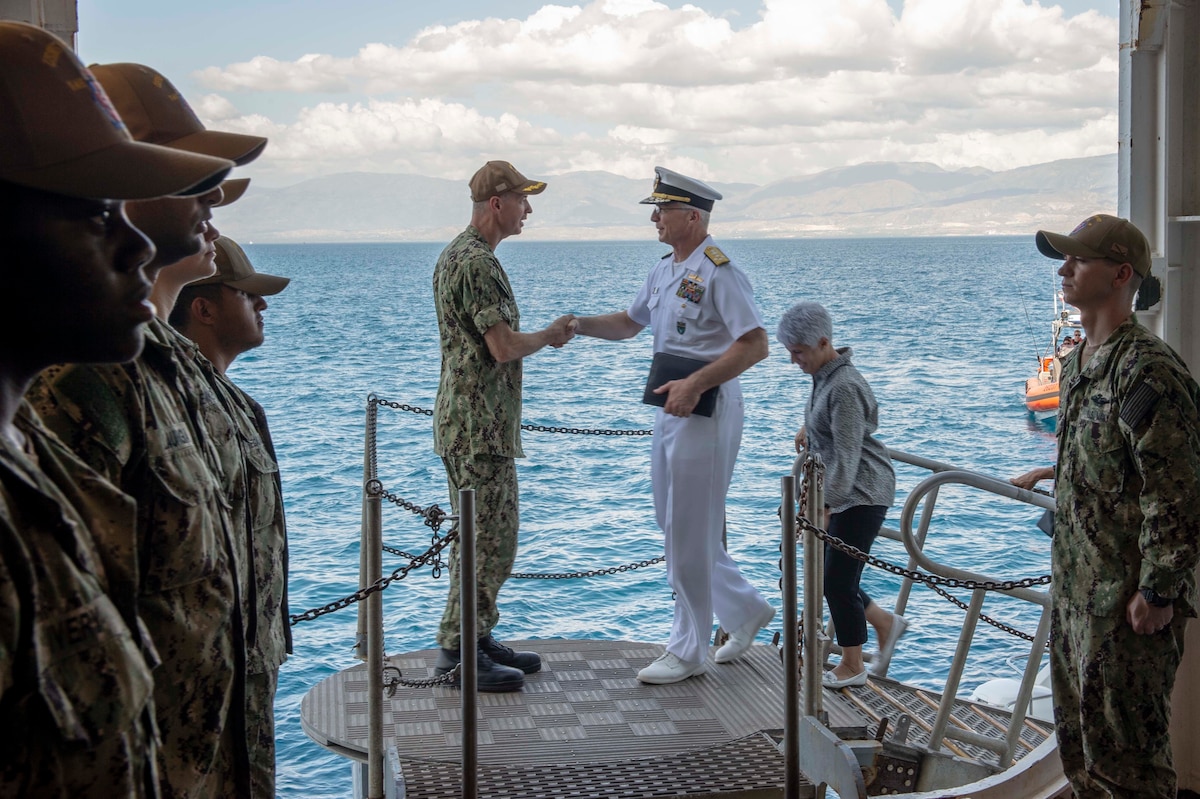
pixel 946 330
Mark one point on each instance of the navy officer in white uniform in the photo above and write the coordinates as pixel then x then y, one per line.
pixel 699 305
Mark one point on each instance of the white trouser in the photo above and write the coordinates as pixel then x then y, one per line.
pixel 691 466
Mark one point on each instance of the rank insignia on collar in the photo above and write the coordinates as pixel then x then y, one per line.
pixel 715 255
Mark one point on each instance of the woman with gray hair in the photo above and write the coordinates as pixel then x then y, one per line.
pixel 839 421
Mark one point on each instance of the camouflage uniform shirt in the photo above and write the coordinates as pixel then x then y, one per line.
pixel 75 662
pixel 258 506
pixel 478 408
pixel 256 498
pixel 1128 476
pixel 146 426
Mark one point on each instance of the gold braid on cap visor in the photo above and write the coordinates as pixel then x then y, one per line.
pixel 671 198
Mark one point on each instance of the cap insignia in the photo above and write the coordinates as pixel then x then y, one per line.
pixel 100 98
pixel 51 54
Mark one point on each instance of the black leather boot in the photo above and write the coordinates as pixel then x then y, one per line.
pixel 490 677
pixel 528 662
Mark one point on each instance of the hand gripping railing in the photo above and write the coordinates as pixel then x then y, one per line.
pixel 980 584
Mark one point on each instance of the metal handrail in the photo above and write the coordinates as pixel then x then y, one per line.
pixel 1002 488
pixel 925 495
pixel 914 544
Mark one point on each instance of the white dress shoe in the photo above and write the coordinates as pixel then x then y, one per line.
pixel 829 681
pixel 668 669
pixel 741 638
pixel 899 627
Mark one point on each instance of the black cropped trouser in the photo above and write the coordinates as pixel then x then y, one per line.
pixel 857 526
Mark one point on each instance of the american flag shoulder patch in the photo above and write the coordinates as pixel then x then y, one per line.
pixel 1139 405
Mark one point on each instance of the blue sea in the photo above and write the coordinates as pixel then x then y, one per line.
pixel 945 329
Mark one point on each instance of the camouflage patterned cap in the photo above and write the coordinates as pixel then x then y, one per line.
pixel 1100 236
pixel 498 177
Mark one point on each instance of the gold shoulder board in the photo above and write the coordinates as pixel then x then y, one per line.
pixel 715 255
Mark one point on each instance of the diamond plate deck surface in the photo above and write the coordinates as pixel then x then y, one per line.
pixel 585 704
pixel 582 726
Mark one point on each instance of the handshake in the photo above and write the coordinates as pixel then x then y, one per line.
pixel 561 330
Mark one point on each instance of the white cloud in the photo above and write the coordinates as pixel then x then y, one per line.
pixel 623 84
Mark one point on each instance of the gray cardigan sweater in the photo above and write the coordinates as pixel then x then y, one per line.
pixel 839 420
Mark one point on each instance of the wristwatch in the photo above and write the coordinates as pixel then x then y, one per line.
pixel 1152 597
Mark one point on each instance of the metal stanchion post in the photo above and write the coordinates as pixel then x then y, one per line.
pixel 360 639
pixel 468 643
pixel 791 682
pixel 374 558
pixel 813 595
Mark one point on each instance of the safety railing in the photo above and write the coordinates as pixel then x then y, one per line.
pixel 807 525
pixel 925 493
pixel 921 568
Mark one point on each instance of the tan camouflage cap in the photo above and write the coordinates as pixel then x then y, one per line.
pixel 1100 236
pixel 498 177
pixel 59 132
pixel 156 112
pixel 235 270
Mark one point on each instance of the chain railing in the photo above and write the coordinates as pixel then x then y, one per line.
pixel 426 558
pixel 537 428
pixel 932 581
pixel 628 567
pixel 393 678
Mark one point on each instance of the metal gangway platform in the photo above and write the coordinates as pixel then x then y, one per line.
pixel 585 727
pixel 761 726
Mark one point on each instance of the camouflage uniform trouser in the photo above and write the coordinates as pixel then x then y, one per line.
pixel 1112 704
pixel 260 731
pixel 494 479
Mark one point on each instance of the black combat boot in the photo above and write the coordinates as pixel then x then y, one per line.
pixel 528 662
pixel 490 677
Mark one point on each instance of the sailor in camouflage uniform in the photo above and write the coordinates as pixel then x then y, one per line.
pixel 223 315
pixel 1127 523
pixel 157 428
pixel 477 416
pixel 700 306
pixel 76 660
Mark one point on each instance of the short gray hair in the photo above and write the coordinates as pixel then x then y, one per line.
pixel 804 324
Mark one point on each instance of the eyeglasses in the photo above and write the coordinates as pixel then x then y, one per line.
pixel 658 209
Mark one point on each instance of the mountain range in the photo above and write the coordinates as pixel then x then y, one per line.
pixel 872 199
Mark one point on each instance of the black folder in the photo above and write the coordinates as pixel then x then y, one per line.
pixel 667 367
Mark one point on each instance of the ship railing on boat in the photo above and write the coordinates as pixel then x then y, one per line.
pixel 946 751
pixel 825 758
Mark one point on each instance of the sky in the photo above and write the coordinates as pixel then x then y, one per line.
pixel 749 91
